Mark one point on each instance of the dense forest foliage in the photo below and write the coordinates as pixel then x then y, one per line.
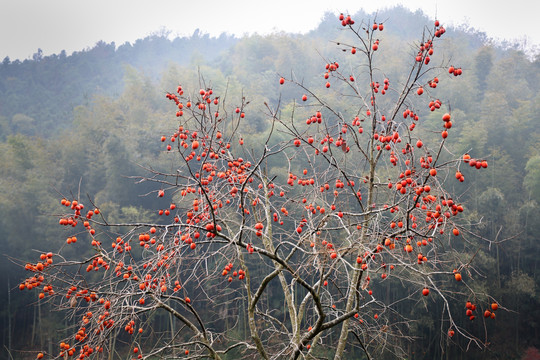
pixel 72 125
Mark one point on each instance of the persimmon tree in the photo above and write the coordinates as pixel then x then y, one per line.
pixel 306 243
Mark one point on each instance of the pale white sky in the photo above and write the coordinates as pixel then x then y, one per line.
pixel 72 25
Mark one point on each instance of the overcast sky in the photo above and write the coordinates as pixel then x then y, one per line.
pixel 72 25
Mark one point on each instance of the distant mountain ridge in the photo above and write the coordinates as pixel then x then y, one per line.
pixel 38 95
pixel 48 88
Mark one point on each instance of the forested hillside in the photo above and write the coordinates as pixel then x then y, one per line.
pixel 38 96
pixel 82 125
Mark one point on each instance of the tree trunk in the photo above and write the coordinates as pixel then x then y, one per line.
pixel 171 321
pixel 9 318
pixel 34 326
pixel 112 342
pixel 40 322
pixel 342 342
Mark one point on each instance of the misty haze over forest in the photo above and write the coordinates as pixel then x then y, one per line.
pixel 90 118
